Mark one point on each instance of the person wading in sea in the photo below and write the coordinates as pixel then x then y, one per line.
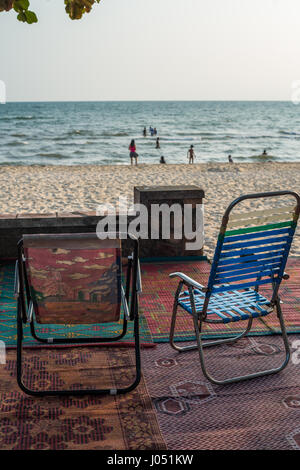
pixel 132 150
pixel 191 154
pixel 157 143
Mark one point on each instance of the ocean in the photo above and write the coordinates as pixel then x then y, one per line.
pixel 72 133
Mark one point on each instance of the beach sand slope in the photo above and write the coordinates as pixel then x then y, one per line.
pixel 43 189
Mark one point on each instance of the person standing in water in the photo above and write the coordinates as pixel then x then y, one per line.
pixel 132 150
pixel 145 132
pixel 157 146
pixel 191 154
pixel 230 159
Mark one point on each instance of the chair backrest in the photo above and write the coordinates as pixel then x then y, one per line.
pixel 73 278
pixel 253 246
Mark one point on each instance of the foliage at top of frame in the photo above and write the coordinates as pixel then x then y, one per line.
pixel 74 8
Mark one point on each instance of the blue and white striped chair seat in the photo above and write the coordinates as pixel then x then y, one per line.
pixel 230 306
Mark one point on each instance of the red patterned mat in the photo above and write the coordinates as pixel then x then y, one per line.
pixel 76 423
pixel 158 295
pixel 259 414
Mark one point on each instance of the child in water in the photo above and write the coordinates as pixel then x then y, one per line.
pixel 191 154
pixel 132 150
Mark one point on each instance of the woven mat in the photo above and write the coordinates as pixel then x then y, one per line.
pixel 258 414
pixel 76 423
pixel 158 295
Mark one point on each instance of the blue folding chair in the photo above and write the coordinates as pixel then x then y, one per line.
pixel 251 251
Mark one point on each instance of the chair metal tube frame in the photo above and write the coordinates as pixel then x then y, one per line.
pixel 201 345
pixel 195 316
pixel 23 304
pixel 199 318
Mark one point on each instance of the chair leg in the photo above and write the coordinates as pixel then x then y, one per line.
pixel 19 346
pixel 206 344
pixel 249 376
pixel 110 391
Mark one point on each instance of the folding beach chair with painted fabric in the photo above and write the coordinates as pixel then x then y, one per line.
pixel 251 251
pixel 75 279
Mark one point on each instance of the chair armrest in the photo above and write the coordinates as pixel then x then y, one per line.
pixel 188 280
pixel 16 281
pixel 124 303
pixel 30 312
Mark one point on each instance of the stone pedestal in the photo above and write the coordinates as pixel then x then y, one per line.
pixel 169 195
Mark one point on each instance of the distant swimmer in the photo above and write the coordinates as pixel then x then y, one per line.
pixel 155 131
pixel 157 146
pixel 162 160
pixel 145 132
pixel 230 159
pixel 191 154
pixel 264 153
pixel 151 130
pixel 133 154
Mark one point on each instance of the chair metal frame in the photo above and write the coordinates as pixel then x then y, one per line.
pixel 129 301
pixel 200 317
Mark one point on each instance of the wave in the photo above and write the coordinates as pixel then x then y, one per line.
pixel 114 134
pixel 16 143
pixel 24 118
pixel 19 135
pixel 190 133
pixel 263 157
pixel 179 140
pixel 80 132
pixel 18 118
pixel 51 155
pixel 289 133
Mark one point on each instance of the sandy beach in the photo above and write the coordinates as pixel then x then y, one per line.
pixel 43 189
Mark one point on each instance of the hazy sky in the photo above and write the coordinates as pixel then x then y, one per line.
pixel 153 50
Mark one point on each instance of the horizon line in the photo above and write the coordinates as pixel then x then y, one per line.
pixel 152 101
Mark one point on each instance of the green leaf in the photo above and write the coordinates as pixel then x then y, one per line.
pixel 31 17
pixel 21 17
pixel 21 4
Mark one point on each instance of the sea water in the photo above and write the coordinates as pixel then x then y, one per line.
pixel 82 133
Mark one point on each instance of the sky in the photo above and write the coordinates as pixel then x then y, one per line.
pixel 153 50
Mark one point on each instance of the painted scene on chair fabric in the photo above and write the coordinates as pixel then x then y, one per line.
pixel 74 286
